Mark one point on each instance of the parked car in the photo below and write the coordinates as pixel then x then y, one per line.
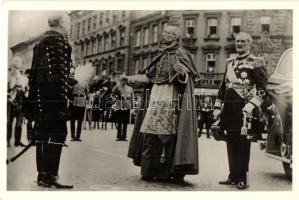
pixel 280 111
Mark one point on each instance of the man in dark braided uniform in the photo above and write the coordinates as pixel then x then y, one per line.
pixel 242 91
pixel 49 85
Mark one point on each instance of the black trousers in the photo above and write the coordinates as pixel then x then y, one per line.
pixel 77 113
pixel 122 119
pixel 51 136
pixel 238 151
pixel 121 131
pixel 205 118
pixel 30 133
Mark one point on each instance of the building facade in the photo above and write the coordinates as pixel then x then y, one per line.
pixel 102 38
pixel 209 36
pixel 25 51
pixel 125 41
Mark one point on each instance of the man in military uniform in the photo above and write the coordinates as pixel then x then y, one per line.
pixel 49 84
pixel 242 91
pixel 77 110
pixel 125 95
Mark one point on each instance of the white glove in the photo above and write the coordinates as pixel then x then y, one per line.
pixel 248 108
pixel 216 113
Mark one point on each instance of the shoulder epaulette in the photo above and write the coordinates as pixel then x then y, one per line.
pixel 258 61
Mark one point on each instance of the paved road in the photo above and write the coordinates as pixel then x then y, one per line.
pixel 99 163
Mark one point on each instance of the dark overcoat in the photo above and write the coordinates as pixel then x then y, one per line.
pixel 50 78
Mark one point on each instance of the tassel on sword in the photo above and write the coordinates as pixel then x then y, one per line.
pixel 246 128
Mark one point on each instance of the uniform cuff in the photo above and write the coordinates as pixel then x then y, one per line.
pixel 256 101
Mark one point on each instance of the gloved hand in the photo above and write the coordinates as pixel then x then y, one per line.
pixel 216 113
pixel 248 108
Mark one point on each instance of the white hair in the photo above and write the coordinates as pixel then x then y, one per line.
pixel 246 35
pixel 175 30
pixel 57 19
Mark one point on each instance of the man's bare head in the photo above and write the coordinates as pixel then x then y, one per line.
pixel 59 21
pixel 170 35
pixel 243 43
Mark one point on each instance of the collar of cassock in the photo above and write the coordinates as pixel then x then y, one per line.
pixel 171 48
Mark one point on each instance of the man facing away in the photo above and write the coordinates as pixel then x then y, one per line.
pixel 164 141
pixel 49 85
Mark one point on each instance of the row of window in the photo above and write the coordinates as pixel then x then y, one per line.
pixel 142 36
pixel 105 42
pixel 213 26
pixel 112 65
pixel 140 62
pixel 100 20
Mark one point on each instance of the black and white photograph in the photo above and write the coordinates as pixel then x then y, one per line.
pixel 197 99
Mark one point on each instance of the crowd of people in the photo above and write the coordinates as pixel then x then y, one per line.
pixel 164 141
pixel 90 106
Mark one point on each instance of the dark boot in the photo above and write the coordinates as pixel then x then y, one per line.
pixel 29 131
pixel 41 151
pixel 243 182
pixel 124 132
pixel 119 129
pixel 43 179
pixel 147 178
pixel 231 180
pixel 53 158
pixel 9 132
pixel 179 179
pixel 73 129
pixel 208 134
pixel 79 127
pixel 18 132
pixel 55 182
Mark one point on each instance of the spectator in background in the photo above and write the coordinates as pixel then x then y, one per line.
pixel 88 110
pixel 77 110
pixel 17 86
pixel 124 95
pixel 30 123
pixel 206 116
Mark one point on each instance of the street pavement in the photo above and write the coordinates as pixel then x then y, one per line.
pixel 99 163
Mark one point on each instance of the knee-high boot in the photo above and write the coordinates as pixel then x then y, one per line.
pixel 41 165
pixel 53 158
pixel 18 133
